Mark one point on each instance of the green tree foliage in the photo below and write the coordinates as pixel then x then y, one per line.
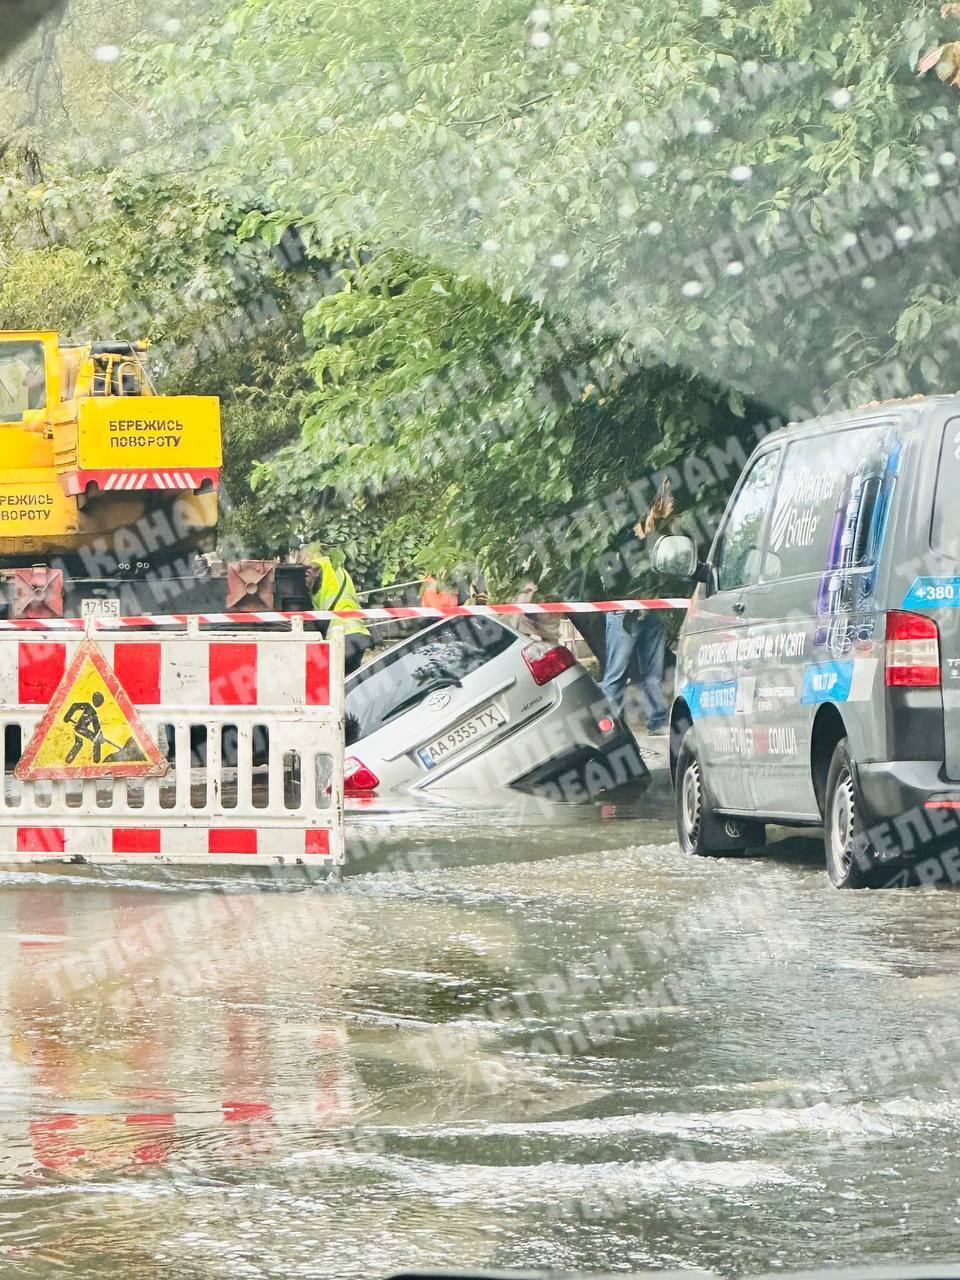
pixel 573 242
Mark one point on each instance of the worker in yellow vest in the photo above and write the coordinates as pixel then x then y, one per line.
pixel 333 589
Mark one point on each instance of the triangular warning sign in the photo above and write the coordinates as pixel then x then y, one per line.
pixel 91 728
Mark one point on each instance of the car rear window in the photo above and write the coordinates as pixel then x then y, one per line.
pixel 945 526
pixel 406 674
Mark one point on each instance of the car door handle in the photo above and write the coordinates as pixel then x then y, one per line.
pixel 738 606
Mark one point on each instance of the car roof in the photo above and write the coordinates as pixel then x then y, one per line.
pixel 907 407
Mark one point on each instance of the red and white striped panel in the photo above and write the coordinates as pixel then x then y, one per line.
pixel 178 672
pixel 199 844
pixel 192 478
pixel 270 798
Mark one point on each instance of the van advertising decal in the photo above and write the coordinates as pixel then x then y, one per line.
pixel 840 681
pixel 717 699
pixel 827 682
pixel 933 593
pixel 845 597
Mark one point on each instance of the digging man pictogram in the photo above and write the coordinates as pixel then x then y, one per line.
pixel 85 722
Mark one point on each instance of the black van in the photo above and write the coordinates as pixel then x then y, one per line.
pixel 818 672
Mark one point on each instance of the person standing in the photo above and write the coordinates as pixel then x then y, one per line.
pixel 636 643
pixel 636 647
pixel 333 589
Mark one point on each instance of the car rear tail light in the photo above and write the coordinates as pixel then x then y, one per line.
pixel 606 724
pixel 547 661
pixel 358 780
pixel 912 652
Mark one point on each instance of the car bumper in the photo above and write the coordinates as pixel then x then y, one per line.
pixel 561 754
pixel 894 788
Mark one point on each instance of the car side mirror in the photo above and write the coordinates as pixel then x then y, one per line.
pixel 675 556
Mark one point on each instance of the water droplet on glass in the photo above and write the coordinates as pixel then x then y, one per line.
pixel 632 127
pixel 741 173
pixel 692 288
pixel 685 175
pixel 559 260
pixel 903 234
pixel 540 39
pixel 841 98
pixel 645 168
pixel 848 240
pixel 654 228
pixel 490 246
pixel 868 282
pixel 570 68
pixel 947 158
pixel 703 126
pixel 106 52
pixel 930 180
pixel 539 17
pixel 734 268
pixel 172 26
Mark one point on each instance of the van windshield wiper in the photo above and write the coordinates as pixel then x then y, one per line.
pixel 452 683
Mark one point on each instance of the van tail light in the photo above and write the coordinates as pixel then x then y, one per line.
pixel 912 652
pixel 358 780
pixel 547 661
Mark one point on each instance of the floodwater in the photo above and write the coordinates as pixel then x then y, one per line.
pixel 509 1039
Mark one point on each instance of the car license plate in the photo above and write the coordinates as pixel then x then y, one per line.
pixel 461 735
pixel 98 607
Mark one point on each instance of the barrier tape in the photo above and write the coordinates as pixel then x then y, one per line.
pixel 384 614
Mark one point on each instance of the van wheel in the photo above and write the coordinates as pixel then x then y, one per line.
pixel 701 830
pixel 850 856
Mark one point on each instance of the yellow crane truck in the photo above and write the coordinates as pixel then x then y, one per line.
pixel 108 490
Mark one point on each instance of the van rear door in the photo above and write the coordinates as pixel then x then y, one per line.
pixel 935 590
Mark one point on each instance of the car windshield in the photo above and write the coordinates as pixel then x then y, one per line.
pixel 399 873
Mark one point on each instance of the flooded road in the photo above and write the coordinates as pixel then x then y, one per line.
pixel 509 1039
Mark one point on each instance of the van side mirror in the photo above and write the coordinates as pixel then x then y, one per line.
pixel 675 556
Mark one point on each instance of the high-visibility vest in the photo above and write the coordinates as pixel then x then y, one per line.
pixel 336 591
pixel 433 597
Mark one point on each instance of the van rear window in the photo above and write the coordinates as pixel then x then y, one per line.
pixel 406 674
pixel 945 526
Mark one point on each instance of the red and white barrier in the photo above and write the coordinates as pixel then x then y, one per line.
pixel 266 787
pixel 371 614
pixel 176 672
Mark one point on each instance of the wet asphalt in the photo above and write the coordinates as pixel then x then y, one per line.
pixel 512 1037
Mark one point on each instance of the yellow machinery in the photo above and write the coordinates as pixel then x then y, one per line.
pixel 108 490
pixel 89 451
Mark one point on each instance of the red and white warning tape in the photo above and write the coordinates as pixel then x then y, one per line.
pixel 325 615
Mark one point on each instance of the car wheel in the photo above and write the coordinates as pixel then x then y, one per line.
pixel 700 829
pixel 850 856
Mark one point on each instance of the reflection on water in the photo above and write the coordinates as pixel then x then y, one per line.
pixel 510 1042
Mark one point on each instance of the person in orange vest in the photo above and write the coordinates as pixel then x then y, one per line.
pixel 433 597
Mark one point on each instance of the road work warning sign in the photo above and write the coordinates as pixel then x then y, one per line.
pixel 90 729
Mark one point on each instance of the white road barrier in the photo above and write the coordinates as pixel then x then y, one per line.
pixel 172 747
